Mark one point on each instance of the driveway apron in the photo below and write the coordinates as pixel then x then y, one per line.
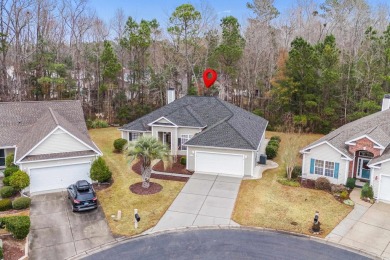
pixel 205 200
pixel 58 233
pixel 366 228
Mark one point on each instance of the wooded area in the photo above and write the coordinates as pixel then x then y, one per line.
pixel 316 66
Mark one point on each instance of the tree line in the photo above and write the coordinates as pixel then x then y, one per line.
pixel 315 66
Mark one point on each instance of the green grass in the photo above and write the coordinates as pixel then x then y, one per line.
pixel 119 197
pixel 267 203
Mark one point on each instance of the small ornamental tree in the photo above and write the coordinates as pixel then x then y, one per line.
pixel 100 171
pixel 19 180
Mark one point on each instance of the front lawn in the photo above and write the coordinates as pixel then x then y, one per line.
pixel 119 197
pixel 267 203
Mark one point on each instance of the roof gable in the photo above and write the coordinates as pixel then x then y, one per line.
pixel 26 124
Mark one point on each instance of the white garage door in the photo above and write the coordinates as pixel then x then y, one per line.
pixel 384 193
pixel 229 164
pixel 58 177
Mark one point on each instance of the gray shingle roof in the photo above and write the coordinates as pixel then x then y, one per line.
pixel 225 124
pixel 24 124
pixel 375 126
pixel 57 156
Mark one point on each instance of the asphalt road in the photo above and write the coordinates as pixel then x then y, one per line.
pixel 223 244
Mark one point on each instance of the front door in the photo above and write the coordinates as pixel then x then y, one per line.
pixel 363 170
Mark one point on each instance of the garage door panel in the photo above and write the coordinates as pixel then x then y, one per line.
pixel 229 164
pixel 384 193
pixel 58 177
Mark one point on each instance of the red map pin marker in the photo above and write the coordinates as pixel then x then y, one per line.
pixel 209 81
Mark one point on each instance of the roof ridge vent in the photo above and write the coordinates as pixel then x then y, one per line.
pixel 54 117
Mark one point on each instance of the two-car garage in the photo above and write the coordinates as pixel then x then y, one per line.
pixel 57 177
pixel 221 163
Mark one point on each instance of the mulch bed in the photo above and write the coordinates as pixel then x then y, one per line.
pixel 102 186
pixel 310 184
pixel 153 188
pixel 137 169
pixel 176 167
pixel 13 249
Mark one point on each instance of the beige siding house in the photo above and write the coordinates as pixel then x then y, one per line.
pixel 50 142
pixel 360 149
pixel 214 135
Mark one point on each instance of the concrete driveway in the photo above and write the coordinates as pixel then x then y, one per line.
pixel 205 200
pixel 367 228
pixel 58 233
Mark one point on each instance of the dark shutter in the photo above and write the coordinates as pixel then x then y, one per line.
pixel 179 143
pixel 130 139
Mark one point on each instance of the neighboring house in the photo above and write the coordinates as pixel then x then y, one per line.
pixel 359 149
pixel 215 136
pixel 50 142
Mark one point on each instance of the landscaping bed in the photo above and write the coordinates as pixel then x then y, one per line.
pixel 13 249
pixel 137 169
pixel 176 167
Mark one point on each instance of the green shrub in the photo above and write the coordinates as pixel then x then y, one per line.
pixel 5 204
pixel 276 138
pixel 350 183
pixel 21 203
pixel 6 180
pixel 322 183
pixel 183 160
pixel 9 160
pixel 271 151
pixel 287 182
pixel 273 143
pixel 19 226
pixel 100 171
pixel 367 191
pixel 19 180
pixel 10 170
pixel 119 144
pixel 297 171
pixel 7 191
pixel 1 253
pixel 344 195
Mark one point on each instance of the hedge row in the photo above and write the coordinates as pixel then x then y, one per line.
pixel 272 147
pixel 18 226
pixel 18 203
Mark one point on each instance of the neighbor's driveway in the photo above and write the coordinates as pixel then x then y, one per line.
pixel 366 228
pixel 58 233
pixel 205 200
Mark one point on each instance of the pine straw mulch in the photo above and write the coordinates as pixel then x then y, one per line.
pixel 137 169
pixel 13 249
pixel 175 167
pixel 138 189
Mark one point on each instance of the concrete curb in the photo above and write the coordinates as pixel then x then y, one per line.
pixel 25 250
pixel 124 239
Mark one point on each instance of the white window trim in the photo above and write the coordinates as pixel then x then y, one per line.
pixel 188 137
pixel 324 167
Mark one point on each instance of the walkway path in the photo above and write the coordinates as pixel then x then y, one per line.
pixel 205 200
pixel 366 228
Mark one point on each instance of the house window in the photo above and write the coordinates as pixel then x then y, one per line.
pixel 319 167
pixel 184 139
pixel 2 157
pixel 329 169
pixel 134 136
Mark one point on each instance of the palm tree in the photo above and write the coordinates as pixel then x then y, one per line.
pixel 148 148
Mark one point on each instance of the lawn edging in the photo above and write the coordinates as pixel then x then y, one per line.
pixel 123 239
